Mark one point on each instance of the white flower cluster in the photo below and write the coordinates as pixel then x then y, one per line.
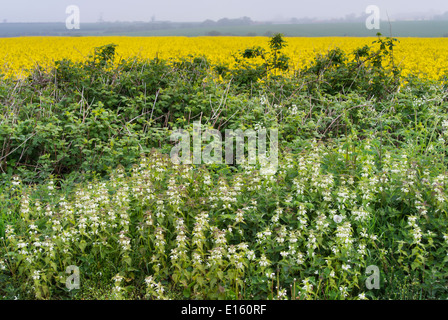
pixel 226 195
pixel 343 291
pixel 322 223
pixel 263 235
pixel 36 275
pixel 200 226
pixel 25 205
pixel 445 127
pixel 281 294
pixel 362 249
pixel 343 234
pixel 276 215
pixel 173 193
pixel 263 100
pixel 293 109
pixel 155 290
pixel 180 251
pixel 281 234
pixel 362 296
pixel 421 207
pixel 124 241
pixel 236 254
pixel 160 239
pixel 416 232
pixel 160 210
pixel 250 254
pixel 264 262
pixel 302 216
pixel 216 256
pixel 445 237
pixel 439 187
pixel 360 214
pixel 9 232
pixel 300 258
pixel 312 241
pixel 15 180
pixel 117 289
pixel 307 286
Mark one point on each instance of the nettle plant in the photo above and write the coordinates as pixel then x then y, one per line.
pixel 167 231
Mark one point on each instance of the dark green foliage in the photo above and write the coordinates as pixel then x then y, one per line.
pixel 371 72
pixel 248 72
pixel 93 115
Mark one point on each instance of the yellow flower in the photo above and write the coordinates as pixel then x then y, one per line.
pixel 426 57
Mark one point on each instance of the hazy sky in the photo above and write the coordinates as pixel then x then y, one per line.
pixel 199 10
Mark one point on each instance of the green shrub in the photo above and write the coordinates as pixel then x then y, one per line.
pixel 86 181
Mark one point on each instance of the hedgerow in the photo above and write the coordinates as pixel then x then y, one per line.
pixel 86 180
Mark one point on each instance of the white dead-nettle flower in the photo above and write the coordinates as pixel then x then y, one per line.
pixel 220 237
pixel 293 109
pixel 343 291
pixel 264 261
pixel 360 214
pixel 312 240
pixel 15 180
pixel 362 249
pixel 346 267
pixel 362 296
pixel 239 216
pixel 281 294
pixel 207 180
pixel 216 255
pixel 174 254
pixel 36 275
pixel 250 255
pixel 307 286
pixel 416 232
pixel 299 259
pixel 197 260
pixel 270 275
pixel 231 249
pixel 263 100
pixel 21 245
pixel 343 233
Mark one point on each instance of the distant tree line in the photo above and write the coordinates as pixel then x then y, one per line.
pixel 244 21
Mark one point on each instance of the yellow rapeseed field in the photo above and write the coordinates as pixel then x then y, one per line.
pixel 427 57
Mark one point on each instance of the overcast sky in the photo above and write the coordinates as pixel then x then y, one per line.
pixel 199 10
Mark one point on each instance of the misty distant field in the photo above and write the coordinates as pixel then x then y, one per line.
pixel 396 29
